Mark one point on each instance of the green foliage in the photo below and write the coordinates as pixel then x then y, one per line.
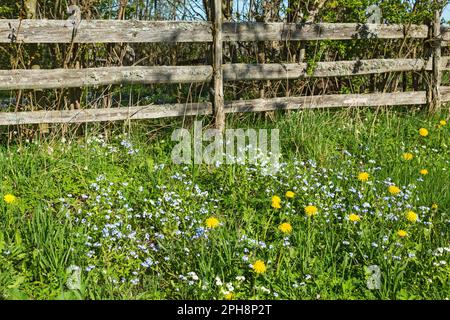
pixel 134 222
pixel 393 11
pixel 8 9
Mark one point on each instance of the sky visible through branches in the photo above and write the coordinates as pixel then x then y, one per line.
pixel 242 6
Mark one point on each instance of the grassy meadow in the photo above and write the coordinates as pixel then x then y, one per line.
pixel 107 215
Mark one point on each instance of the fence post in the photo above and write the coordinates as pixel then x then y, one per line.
pixel 435 93
pixel 217 60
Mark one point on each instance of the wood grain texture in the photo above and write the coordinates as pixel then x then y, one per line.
pixel 445 93
pixel 69 78
pixel 329 101
pixel 178 110
pixel 445 63
pixel 436 99
pixel 105 115
pixel 237 72
pixel 217 59
pixel 445 35
pixel 21 79
pixel 103 31
pixel 122 31
pixel 258 31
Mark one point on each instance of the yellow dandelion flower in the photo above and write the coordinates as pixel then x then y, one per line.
pixel 354 217
pixel 443 122
pixel 259 267
pixel 423 132
pixel 276 205
pixel 229 296
pixel 285 227
pixel 276 202
pixel 212 223
pixel 311 211
pixel 434 206
pixel 402 233
pixel 333 4
pixel 394 190
pixel 407 156
pixel 424 172
pixel 411 216
pixel 9 198
pixel 363 176
pixel 290 194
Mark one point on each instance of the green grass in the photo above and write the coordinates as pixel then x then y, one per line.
pixel 135 223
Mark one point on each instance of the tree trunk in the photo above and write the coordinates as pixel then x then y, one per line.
pixel 217 55
pixel 30 9
pixel 122 10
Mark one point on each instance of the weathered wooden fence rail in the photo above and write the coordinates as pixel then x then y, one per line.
pixel 206 108
pixel 66 78
pixel 121 31
pixel 216 32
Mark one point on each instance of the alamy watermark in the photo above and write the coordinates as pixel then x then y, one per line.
pixel 74 277
pixel 374 277
pixel 234 146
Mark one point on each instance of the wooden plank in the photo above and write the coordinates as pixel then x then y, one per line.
pixel 436 101
pixel 67 78
pixel 445 63
pixel 259 31
pixel 105 115
pixel 103 31
pixel 237 72
pixel 178 110
pixel 217 58
pixel 445 94
pixel 20 79
pixel 445 35
pixel 362 67
pixel 329 101
pixel 136 31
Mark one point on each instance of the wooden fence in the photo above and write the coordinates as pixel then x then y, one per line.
pixel 216 32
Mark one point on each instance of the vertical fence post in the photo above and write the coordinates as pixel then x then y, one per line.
pixel 435 96
pixel 217 60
